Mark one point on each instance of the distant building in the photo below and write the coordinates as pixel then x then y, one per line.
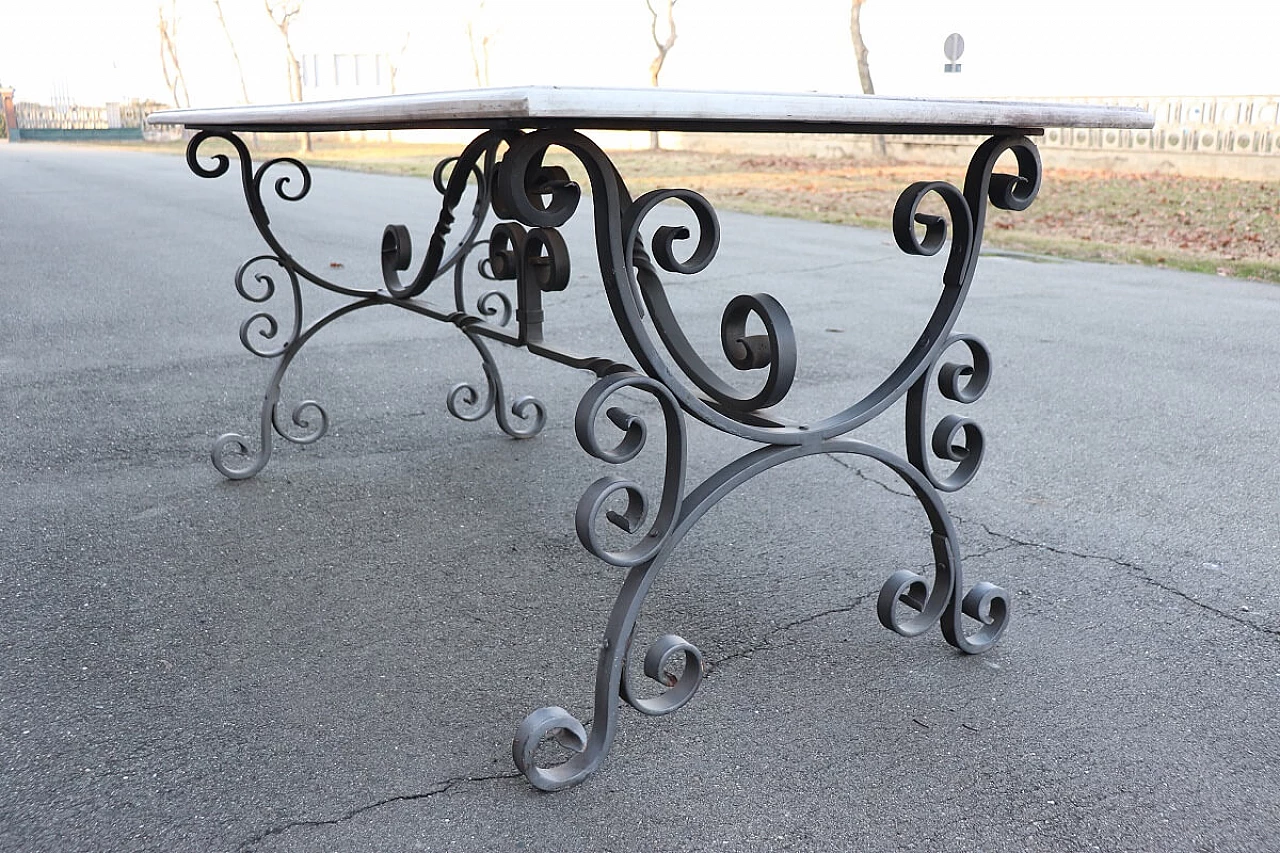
pixel 329 76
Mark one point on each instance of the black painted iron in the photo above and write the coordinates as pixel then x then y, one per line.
pixel 506 172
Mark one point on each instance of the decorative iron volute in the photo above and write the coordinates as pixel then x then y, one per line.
pixel 529 192
pixel 506 248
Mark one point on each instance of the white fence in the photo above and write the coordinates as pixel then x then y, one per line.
pixel 77 117
pixel 1241 125
pixel 1234 137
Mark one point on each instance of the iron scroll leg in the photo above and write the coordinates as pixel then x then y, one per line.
pixel 310 420
pixel 267 335
pixel 909 602
pixel 649 550
pixel 464 401
pixel 932 601
pixel 590 749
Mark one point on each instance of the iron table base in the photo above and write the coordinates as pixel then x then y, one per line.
pixel 504 173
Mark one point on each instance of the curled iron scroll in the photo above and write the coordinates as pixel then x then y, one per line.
pixel 264 322
pixel 774 351
pixel 906 216
pixel 594 502
pixel 461 171
pixel 662 655
pixel 252 181
pixel 954 438
pixel 537 195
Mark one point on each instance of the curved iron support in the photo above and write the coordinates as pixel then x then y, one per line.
pixel 940 602
pixel 396 251
pixel 465 403
pixel 633 286
pixel 270 420
pixel 955 439
pixel 252 180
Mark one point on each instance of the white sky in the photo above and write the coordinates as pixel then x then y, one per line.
pixel 99 50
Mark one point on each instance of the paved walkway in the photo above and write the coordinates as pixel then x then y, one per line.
pixel 334 655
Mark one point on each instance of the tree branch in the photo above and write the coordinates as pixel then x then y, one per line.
pixel 177 84
pixel 244 89
pixel 663 46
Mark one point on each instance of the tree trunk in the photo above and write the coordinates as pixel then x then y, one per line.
pixel 861 53
pixel 282 15
pixel 655 144
pixel 480 57
pixel 664 47
pixel 860 47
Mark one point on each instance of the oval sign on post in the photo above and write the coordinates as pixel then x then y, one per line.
pixel 953 47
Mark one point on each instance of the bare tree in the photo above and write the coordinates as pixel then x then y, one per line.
pixel 480 44
pixel 394 60
pixel 173 79
pixel 861 53
pixel 235 54
pixel 282 14
pixel 663 44
pixel 860 47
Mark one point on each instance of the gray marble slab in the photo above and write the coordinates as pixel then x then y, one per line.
pixel 658 109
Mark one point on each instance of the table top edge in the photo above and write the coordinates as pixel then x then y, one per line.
pixel 657 109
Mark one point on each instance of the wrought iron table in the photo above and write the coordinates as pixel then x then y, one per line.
pixel 504 171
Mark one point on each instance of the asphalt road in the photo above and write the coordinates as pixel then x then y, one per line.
pixel 334 656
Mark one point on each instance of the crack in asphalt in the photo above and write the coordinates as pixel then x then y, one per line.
pixel 861 475
pixel 767 641
pixel 441 788
pixel 1135 570
pixel 1132 568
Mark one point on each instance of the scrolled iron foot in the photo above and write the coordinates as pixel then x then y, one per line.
pixel 904 587
pixel 465 403
pixel 986 604
pixel 530 414
pixel 558 724
pixel 311 432
pixel 526 416
pixel 233 443
pixel 589 750
pixel 679 689
pixel 939 600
